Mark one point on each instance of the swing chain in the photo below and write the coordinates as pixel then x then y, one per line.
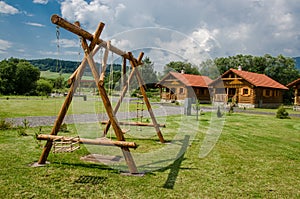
pixel 58 49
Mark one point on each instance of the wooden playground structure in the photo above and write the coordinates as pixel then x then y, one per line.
pixel 89 51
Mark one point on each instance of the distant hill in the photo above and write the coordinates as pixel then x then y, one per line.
pixel 297 60
pixel 54 65
pixel 63 66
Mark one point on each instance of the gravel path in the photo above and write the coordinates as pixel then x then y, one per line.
pixel 163 110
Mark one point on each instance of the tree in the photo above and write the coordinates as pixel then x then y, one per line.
pixel 148 73
pixel 7 76
pixel 59 82
pixel 17 77
pixel 26 78
pixel 44 87
pixel 179 66
pixel 208 68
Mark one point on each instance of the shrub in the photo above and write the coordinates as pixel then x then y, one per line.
pixel 282 113
pixel 5 125
pixel 64 128
pixel 21 131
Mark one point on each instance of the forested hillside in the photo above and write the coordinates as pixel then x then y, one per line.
pixel 63 66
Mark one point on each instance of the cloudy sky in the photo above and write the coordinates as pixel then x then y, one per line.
pixel 165 30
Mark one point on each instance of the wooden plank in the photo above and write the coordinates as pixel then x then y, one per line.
pixel 136 124
pixel 99 141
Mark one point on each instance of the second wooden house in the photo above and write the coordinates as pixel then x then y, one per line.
pixel 247 89
pixel 295 85
pixel 179 86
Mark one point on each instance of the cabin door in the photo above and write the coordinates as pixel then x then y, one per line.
pixel 232 94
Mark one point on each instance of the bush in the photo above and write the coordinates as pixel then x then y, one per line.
pixel 282 113
pixel 5 125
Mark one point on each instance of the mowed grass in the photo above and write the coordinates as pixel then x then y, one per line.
pixel 54 75
pixel 16 106
pixel 256 156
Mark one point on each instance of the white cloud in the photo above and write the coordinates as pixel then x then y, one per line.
pixel 40 1
pixel 7 9
pixel 4 45
pixel 35 24
pixel 67 43
pixel 219 28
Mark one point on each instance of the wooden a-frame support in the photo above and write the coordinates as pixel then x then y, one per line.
pixel 90 50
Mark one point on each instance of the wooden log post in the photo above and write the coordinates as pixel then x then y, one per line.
pixel 124 91
pixel 134 64
pixel 84 34
pixel 119 134
pixel 67 102
pixel 101 141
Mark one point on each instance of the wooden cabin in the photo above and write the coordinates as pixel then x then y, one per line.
pixel 179 86
pixel 247 89
pixel 295 85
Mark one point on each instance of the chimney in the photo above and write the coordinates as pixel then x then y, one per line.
pixel 182 71
pixel 239 67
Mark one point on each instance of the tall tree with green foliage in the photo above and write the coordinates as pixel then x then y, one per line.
pixel 179 66
pixel 148 73
pixel 26 78
pixel 280 68
pixel 8 70
pixel 18 76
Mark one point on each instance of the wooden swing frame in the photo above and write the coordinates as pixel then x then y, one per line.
pixel 90 50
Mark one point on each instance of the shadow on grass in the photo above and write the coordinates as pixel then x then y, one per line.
pixel 84 179
pixel 87 165
pixel 175 167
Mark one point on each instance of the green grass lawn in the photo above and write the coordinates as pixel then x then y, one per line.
pixel 256 156
pixel 22 106
pixel 54 75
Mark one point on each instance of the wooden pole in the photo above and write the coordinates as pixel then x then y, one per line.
pixel 124 79
pixel 101 141
pixel 84 34
pixel 104 63
pixel 125 88
pixel 143 91
pixel 126 152
pixel 65 106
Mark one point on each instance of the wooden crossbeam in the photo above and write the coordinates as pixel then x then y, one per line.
pixel 84 34
pixel 99 141
pixel 136 124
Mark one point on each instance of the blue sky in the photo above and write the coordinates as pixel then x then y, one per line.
pixel 167 30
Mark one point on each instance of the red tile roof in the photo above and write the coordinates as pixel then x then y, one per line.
pixel 192 80
pixel 258 80
pixel 293 83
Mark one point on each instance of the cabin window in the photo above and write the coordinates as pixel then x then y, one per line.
pixel 276 93
pixel 245 91
pixel 181 90
pixel 267 92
